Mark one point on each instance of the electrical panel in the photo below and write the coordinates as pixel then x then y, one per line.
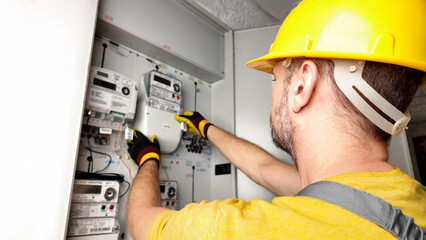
pixel 128 94
pixel 159 99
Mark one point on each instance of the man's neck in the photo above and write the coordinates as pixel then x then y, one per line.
pixel 337 153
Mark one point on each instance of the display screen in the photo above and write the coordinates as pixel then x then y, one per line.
pixel 161 80
pixel 104 84
pixel 162 188
pixel 222 169
pixel 103 74
pixel 87 189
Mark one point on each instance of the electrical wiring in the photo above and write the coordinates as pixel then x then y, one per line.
pixel 185 137
pixel 118 133
pixel 118 152
pixel 197 144
pixel 90 158
pixel 122 195
pixel 131 51
pixel 109 161
pixel 125 164
pixel 165 171
pixel 208 153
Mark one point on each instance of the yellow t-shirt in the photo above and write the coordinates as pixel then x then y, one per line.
pixel 294 217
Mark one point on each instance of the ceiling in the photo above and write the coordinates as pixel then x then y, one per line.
pixel 229 15
pixel 242 14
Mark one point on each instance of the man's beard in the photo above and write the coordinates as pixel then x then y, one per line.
pixel 282 129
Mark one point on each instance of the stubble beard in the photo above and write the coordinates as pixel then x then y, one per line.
pixel 282 129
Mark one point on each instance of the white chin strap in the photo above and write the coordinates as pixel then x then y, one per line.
pixel 347 74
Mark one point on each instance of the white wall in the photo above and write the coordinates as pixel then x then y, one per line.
pixel 45 52
pixel 253 103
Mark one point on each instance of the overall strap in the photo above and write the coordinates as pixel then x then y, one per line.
pixel 367 206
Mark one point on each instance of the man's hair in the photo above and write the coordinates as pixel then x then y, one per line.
pixel 395 83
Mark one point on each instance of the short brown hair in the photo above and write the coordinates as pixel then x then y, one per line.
pixel 395 83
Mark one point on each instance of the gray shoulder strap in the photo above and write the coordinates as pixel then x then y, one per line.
pixel 367 206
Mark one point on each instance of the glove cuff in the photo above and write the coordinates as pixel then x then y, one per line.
pixel 149 153
pixel 204 126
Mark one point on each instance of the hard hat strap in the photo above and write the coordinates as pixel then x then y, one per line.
pixel 348 76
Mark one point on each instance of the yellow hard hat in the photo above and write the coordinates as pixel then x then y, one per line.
pixel 387 31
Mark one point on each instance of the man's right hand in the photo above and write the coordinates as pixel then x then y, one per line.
pixel 142 149
pixel 196 123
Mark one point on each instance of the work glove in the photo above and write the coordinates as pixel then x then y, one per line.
pixel 141 149
pixel 196 123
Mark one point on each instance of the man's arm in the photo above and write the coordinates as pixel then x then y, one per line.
pixel 144 201
pixel 278 177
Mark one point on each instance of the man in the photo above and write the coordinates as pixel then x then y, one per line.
pixel 345 73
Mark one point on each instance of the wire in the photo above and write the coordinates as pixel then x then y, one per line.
pixel 122 195
pixel 131 51
pixel 119 154
pixel 125 164
pixel 185 137
pixel 104 45
pixel 89 166
pixel 162 166
pixel 109 162
pixel 118 134
pixel 208 153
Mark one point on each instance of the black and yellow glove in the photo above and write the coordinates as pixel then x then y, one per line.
pixel 141 149
pixel 196 123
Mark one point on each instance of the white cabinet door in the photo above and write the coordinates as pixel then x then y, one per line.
pixel 45 50
pixel 253 103
pixel 399 154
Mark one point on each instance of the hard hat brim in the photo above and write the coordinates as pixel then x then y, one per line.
pixel 267 62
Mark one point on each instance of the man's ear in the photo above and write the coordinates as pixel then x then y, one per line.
pixel 307 78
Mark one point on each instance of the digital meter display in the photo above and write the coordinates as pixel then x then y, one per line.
pixel 99 82
pixel 87 189
pixel 161 80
